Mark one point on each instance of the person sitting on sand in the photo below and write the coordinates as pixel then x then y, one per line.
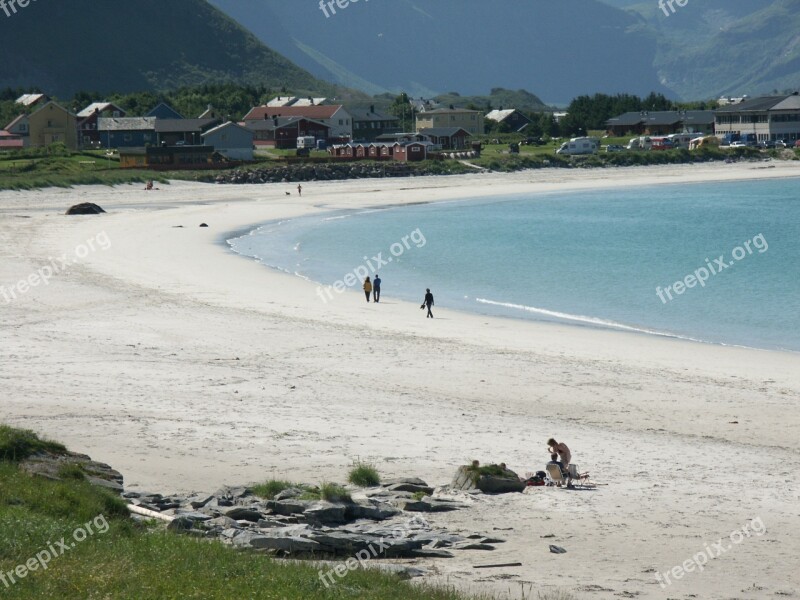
pixel 367 287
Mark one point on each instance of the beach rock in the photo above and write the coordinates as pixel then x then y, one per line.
pixel 289 545
pixel 410 487
pixel 86 208
pixel 194 516
pixel 286 508
pixel 371 509
pixel 289 493
pixel 399 480
pixel 557 549
pixel 326 513
pixel 181 525
pixel 431 553
pixel 200 501
pixel 203 225
pixel 244 514
pixel 466 479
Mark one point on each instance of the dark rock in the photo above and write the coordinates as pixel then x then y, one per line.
pixel 473 546
pixel 86 208
pixel 326 513
pixel 288 494
pixel 410 480
pixel 466 480
pixel 410 487
pixel 431 553
pixel 200 501
pixel 194 516
pixel 557 549
pixel 286 508
pixel 181 524
pixel 240 513
pixel 289 545
pixel 373 510
pixel 203 225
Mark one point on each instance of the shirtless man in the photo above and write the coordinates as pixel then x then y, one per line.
pixel 553 447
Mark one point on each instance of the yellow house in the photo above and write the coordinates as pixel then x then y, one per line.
pixel 471 120
pixel 53 123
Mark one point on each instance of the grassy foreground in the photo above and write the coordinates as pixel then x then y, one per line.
pixel 120 559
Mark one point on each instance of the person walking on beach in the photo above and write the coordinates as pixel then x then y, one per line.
pixel 367 288
pixel 428 301
pixel 376 288
pixel 299 190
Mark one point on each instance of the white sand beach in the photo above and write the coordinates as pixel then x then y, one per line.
pixel 186 367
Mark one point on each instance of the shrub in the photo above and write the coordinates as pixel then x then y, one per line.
pixel 364 475
pixel 19 444
pixel 333 492
pixel 273 487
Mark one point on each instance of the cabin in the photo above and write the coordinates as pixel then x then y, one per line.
pixel 282 132
pixel 368 125
pixel 447 138
pixel 231 140
pixel 170 158
pixel 126 132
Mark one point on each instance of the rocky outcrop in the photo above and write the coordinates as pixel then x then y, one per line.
pixel 69 465
pixel 468 478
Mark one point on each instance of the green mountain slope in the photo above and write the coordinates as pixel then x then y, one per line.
pixel 123 45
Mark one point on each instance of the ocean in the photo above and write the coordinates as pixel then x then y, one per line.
pixel 714 262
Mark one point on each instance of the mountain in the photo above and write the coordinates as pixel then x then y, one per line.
pixel 556 48
pixel 119 45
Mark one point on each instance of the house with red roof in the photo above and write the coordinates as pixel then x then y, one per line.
pixel 333 116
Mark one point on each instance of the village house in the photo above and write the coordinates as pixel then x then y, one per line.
pixel 164 111
pixel 282 132
pixel 88 132
pixel 339 121
pixel 470 120
pixel 447 138
pixel 10 141
pixel 369 124
pixel 188 132
pixel 169 158
pixel 53 123
pixel 394 151
pixel 231 140
pixel 31 101
pixel 126 132
pixel 665 122
pixel 768 117
pixel 20 127
pixel 513 119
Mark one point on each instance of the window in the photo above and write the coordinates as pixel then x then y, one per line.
pixel 49 123
pixel 341 121
pixel 415 148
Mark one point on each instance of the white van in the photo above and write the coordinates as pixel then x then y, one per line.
pixel 581 145
pixel 640 143
pixel 681 140
pixel 307 141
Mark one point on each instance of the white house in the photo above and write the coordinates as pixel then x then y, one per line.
pixel 231 140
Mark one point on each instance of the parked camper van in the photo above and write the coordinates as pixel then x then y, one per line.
pixel 704 142
pixel 681 140
pixel 581 145
pixel 306 142
pixel 640 143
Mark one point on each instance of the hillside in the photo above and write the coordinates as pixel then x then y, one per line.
pixel 64 47
pixel 557 50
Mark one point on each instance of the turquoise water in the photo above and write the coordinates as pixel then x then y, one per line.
pixel 588 258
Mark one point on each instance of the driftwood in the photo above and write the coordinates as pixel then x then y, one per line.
pixel 138 510
pixel 517 564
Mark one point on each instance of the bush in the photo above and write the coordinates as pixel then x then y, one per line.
pixel 273 487
pixel 364 475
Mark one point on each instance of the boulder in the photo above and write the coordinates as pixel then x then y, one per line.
pixel 86 208
pixel 286 508
pixel 410 487
pixel 241 513
pixel 326 513
pixel 466 479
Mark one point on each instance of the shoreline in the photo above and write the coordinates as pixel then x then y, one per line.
pixel 185 367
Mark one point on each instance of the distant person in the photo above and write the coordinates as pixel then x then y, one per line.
pixel 561 449
pixel 554 461
pixel 299 190
pixel 376 288
pixel 428 301
pixel 367 288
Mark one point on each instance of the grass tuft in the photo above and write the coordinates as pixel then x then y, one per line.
pixel 19 444
pixel 333 492
pixel 273 487
pixel 364 475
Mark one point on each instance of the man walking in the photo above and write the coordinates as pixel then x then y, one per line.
pixel 376 288
pixel 428 301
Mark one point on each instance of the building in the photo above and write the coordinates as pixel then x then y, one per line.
pixel 21 128
pixel 53 123
pixel 88 132
pixel 10 141
pixel 368 124
pixel 232 141
pixel 513 119
pixel 447 138
pixel 662 122
pixel 127 132
pixel 164 111
pixel 333 116
pixel 169 158
pixel 282 132
pixel 768 117
pixel 470 120
pixel 393 151
pixel 188 132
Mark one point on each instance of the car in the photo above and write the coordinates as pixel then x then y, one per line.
pixel 738 145
pixel 615 148
pixel 797 144
pixel 780 144
pixel 766 144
